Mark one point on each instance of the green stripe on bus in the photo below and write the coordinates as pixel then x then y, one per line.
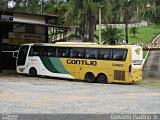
pixel 54 65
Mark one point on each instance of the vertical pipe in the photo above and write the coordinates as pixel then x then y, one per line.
pixel 100 26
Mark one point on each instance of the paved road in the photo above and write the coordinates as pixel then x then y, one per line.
pixel 27 95
pixel 152 66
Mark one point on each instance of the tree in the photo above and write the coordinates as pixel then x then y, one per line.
pixel 30 6
pixel 84 12
pixel 152 11
pixel 112 35
pixel 4 4
pixel 57 9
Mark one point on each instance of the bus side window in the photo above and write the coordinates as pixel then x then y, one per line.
pixel 119 54
pixel 80 55
pixel 124 54
pixel 105 54
pixel 92 53
pixel 63 52
pixel 77 53
pixel 44 51
pixel 73 53
pixel 35 51
pixel 51 52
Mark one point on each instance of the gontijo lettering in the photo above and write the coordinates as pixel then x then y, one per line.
pixel 82 62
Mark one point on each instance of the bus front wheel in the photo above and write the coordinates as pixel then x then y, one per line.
pixel 89 77
pixel 33 72
pixel 102 78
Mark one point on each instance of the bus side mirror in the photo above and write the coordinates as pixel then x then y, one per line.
pixel 15 54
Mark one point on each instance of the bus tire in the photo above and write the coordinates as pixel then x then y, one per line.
pixel 32 72
pixel 89 77
pixel 101 78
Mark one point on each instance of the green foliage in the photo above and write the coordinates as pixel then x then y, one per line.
pixel 134 30
pixel 112 35
pixel 3 5
pixel 78 11
pixel 152 13
pixel 31 6
pixel 85 12
pixel 146 34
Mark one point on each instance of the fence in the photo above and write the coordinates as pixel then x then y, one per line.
pixel 142 24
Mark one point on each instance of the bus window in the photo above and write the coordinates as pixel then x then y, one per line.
pixel 119 54
pixel 48 51
pixel 63 52
pixel 35 51
pixel 42 51
pixel 105 54
pixel 77 53
pixel 92 53
pixel 51 51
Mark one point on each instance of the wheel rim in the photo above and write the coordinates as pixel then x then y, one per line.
pixel 90 77
pixel 102 78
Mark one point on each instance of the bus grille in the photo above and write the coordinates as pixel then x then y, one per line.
pixel 119 75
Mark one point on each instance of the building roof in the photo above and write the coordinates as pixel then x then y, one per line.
pixel 46 16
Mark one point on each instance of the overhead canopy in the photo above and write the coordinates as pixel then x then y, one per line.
pixel 45 25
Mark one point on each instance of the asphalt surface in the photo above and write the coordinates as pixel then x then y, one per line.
pixel 152 65
pixel 27 95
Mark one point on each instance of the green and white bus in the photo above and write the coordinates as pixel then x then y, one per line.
pixel 84 61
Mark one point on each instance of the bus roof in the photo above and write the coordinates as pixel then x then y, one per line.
pixel 81 44
pixel 75 43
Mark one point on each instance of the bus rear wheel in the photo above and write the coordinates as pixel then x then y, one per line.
pixel 102 78
pixel 33 72
pixel 89 77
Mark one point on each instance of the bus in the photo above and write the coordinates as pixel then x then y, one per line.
pixel 82 61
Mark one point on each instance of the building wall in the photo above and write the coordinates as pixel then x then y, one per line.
pixel 29 18
pixel 26 33
pixel 13 35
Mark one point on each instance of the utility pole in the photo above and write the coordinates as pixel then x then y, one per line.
pixel 126 20
pixel 100 21
pixel 100 26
